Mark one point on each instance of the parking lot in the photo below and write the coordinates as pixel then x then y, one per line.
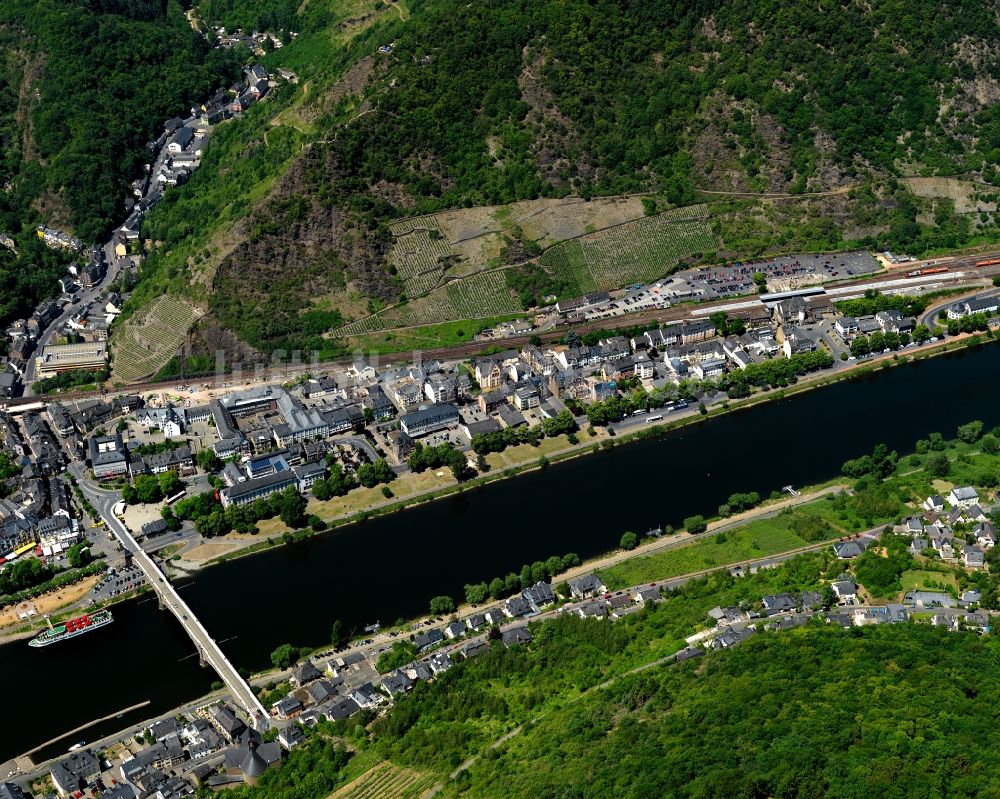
pixel 737 278
pixel 824 331
pixel 783 273
pixel 117 581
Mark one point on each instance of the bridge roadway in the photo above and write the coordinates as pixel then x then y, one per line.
pixel 208 650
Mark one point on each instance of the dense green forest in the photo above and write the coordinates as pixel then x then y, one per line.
pixel 881 711
pixel 495 102
pixel 598 708
pixel 624 89
pixel 262 15
pixel 817 712
pixel 84 84
pixel 878 712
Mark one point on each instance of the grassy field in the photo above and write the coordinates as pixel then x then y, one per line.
pixel 362 498
pixel 922 580
pixel 757 540
pixel 526 453
pixel 142 345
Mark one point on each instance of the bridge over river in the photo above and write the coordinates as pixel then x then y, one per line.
pixel 208 650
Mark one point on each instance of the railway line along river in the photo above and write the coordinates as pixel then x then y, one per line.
pixel 389 567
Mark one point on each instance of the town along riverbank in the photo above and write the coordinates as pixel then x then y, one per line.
pixel 363 504
pixel 389 567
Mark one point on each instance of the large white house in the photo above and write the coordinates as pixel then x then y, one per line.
pixel 963 497
pixel 170 420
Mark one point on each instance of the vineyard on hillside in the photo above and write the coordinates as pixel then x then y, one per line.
pixel 636 252
pixel 566 262
pixel 141 347
pixel 474 297
pixel 386 781
pixel 641 250
pixel 419 254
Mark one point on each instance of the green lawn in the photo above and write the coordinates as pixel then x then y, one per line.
pixel 920 579
pixel 757 540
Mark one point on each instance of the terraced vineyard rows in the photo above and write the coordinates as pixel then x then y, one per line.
pixel 567 263
pixel 417 255
pixel 474 297
pixel 386 781
pixel 141 347
pixel 636 252
pixel 683 212
pixel 485 294
pixel 404 226
pixel 644 250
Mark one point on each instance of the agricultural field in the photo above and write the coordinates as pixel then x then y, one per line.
pixel 419 255
pixel 635 252
pixel 567 263
pixel 479 296
pixel 465 241
pixel 601 244
pixel 386 781
pixel 141 346
pixel 545 221
pixel 445 334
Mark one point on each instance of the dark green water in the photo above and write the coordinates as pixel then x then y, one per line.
pixel 389 567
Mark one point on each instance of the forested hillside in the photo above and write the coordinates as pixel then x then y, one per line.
pixel 494 102
pixel 888 711
pixel 597 708
pixel 84 84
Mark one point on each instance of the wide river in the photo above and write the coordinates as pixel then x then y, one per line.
pixel 389 567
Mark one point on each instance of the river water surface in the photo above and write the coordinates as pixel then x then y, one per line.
pixel 389 567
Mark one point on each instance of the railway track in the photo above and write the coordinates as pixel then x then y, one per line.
pixel 461 351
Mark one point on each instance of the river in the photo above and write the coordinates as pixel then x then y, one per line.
pixel 389 567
